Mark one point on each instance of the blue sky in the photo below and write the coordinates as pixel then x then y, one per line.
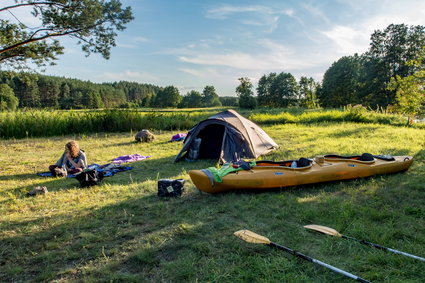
pixel 191 44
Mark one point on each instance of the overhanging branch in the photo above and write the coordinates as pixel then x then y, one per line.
pixel 49 35
pixel 34 4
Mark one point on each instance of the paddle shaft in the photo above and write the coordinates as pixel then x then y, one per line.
pixel 303 256
pixel 382 248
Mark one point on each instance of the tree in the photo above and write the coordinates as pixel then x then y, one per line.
pixel 91 99
pixel 168 97
pixel 387 56
pixel 8 100
pixel 342 82
pixel 277 90
pixel 26 89
pixel 410 91
pixel 92 22
pixel 245 94
pixel 283 90
pixel 232 101
pixel 307 93
pixel 148 100
pixel 49 92
pixel 192 99
pixel 210 97
pixel 263 90
pixel 65 97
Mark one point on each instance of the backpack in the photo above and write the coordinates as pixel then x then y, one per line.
pixel 89 178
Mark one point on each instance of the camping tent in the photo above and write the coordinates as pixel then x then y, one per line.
pixel 226 136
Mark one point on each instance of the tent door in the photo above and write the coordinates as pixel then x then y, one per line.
pixel 212 140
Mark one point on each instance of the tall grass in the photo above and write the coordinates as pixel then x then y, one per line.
pixel 358 115
pixel 44 123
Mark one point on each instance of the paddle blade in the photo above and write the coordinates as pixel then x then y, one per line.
pixel 251 237
pixel 324 230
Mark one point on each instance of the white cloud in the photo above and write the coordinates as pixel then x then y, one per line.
pixel 274 57
pixel 125 45
pixel 315 11
pixel 348 40
pixel 262 15
pixel 141 77
pixel 195 72
pixel 140 39
pixel 224 11
pixel 223 79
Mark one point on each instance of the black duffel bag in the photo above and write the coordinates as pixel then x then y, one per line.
pixel 89 178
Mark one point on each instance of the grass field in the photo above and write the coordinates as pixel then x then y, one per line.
pixel 120 231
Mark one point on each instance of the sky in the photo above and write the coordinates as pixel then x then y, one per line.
pixel 194 43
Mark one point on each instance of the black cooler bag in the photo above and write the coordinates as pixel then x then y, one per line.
pixel 170 188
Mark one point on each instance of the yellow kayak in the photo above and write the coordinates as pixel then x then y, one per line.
pixel 269 174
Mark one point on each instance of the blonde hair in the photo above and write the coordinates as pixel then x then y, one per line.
pixel 73 148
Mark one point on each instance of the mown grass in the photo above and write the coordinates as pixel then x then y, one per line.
pixel 121 231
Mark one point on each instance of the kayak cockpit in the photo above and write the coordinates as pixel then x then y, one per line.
pixel 300 163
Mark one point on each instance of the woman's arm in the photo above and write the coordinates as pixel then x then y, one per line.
pixel 71 161
pixel 83 160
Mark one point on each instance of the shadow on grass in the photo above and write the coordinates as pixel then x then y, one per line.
pixel 133 239
pixel 16 177
pixel 190 238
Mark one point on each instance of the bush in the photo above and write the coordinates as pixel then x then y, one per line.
pixel 8 100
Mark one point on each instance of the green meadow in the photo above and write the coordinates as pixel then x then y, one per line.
pixel 120 231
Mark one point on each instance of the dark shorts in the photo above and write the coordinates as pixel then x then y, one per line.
pixel 70 171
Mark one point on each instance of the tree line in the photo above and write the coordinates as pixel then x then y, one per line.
pixel 29 90
pixel 40 91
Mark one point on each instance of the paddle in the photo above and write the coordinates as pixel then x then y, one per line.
pixel 333 232
pixel 251 237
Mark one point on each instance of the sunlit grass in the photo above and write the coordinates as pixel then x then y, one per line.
pixel 121 231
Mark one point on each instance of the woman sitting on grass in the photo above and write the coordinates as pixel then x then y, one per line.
pixel 73 160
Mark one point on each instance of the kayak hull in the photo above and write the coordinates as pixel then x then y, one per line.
pixel 269 177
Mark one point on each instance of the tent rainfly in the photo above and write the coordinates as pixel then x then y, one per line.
pixel 226 136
